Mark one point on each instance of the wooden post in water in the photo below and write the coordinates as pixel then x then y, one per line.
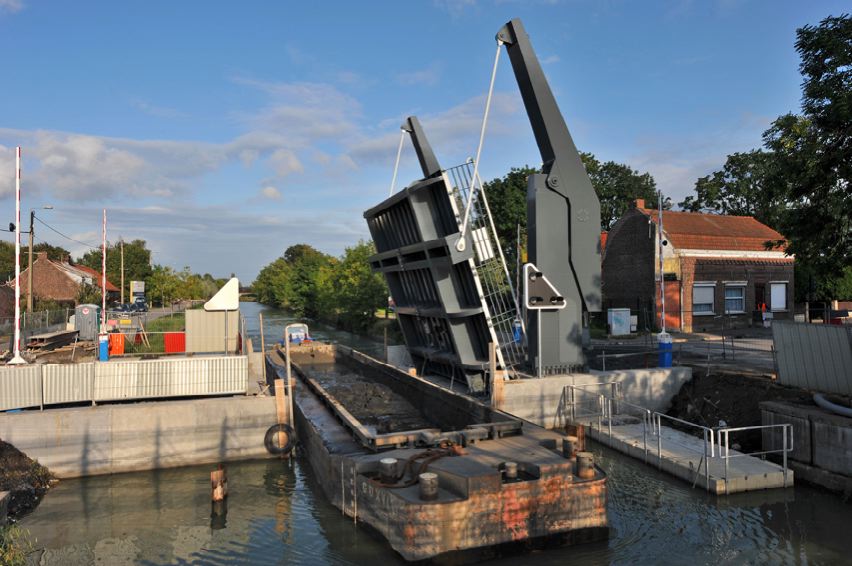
pixel 262 340
pixel 282 413
pixel 219 484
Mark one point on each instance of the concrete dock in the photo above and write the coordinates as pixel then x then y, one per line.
pixel 682 455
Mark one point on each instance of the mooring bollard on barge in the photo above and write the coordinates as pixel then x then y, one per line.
pixel 474 481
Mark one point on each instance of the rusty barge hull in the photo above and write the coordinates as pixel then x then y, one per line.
pixel 478 512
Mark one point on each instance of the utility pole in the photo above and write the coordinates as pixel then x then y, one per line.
pixel 122 270
pixel 30 268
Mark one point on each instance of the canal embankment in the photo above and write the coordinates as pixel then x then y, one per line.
pixel 107 439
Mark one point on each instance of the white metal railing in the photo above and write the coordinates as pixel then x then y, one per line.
pixel 724 445
pixel 586 406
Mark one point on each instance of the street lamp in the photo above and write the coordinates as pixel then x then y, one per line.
pixel 30 270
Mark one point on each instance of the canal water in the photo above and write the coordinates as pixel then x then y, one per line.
pixel 276 514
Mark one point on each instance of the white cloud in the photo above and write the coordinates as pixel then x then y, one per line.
pixel 156 111
pixel 550 59
pixel 270 192
pixel 429 76
pixel 11 6
pixel 285 162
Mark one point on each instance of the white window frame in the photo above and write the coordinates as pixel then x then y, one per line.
pixel 772 303
pixel 712 311
pixel 741 285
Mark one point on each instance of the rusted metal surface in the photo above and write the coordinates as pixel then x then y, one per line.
pixel 477 509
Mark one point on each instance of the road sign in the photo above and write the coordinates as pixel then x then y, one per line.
pixel 539 293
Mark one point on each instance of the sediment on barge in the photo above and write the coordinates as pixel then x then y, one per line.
pixel 502 484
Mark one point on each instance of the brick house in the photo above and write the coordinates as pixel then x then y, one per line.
pixel 61 281
pixel 717 270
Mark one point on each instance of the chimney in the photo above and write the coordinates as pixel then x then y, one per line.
pixel 41 256
pixel 640 203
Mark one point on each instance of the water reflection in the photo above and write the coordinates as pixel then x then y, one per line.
pixel 276 513
pixel 274 321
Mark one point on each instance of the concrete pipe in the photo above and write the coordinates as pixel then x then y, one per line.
pixel 510 469
pixel 428 486
pixel 585 465
pixel 387 470
pixel 569 446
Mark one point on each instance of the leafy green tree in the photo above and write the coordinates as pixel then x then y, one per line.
pixel 749 184
pixel 304 263
pixel 137 262
pixel 618 186
pixel 360 292
pixel 7 257
pixel 800 183
pixel 163 285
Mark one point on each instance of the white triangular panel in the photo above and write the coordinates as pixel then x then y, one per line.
pixel 227 299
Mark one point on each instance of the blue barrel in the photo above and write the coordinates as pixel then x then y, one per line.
pixel 103 347
pixel 517 331
pixel 664 343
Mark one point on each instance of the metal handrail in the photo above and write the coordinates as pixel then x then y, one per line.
pixel 786 434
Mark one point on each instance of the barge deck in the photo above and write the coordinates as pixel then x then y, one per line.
pixel 354 419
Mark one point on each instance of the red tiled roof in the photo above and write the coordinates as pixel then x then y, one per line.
pixel 697 231
pixel 96 277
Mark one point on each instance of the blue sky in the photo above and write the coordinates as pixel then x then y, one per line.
pixel 224 132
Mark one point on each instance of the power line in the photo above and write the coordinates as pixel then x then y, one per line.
pixel 42 222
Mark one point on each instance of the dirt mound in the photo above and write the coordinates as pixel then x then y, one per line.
pixel 732 398
pixel 26 479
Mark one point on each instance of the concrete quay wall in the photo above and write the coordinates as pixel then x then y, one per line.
pixel 822 442
pixel 542 401
pixel 108 439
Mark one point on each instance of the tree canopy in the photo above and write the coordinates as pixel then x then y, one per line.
pixel 342 291
pixel 137 262
pixel 799 183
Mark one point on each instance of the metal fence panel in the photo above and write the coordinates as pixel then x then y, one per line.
pixel 20 387
pixel 205 331
pixel 215 375
pixel 814 356
pixel 67 383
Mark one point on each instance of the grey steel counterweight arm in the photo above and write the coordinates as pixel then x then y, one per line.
pixel 563 213
pixel 428 161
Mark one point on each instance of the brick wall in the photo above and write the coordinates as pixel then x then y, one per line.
pixel 628 264
pixel 753 272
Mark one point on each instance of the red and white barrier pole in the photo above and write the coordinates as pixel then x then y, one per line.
pixel 17 359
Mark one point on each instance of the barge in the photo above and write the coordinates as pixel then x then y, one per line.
pixel 437 474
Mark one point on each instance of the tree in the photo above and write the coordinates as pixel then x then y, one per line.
pixel 815 149
pixel 360 292
pixel 7 257
pixel 749 184
pixel 618 186
pixel 137 261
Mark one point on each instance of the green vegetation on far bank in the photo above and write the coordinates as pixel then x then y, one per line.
pixel 340 291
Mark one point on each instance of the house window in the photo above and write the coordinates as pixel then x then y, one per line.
pixel 778 296
pixel 734 299
pixel 702 298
